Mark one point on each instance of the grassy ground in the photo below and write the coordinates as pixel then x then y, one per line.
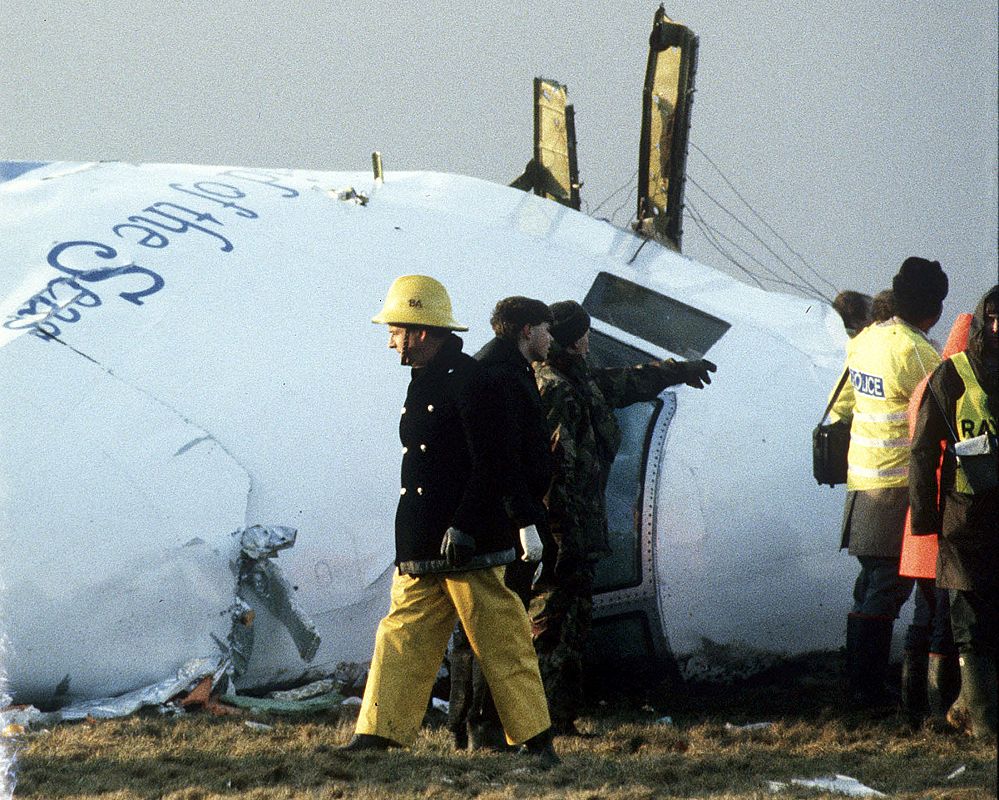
pixel 633 756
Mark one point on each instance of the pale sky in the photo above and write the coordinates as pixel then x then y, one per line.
pixel 864 131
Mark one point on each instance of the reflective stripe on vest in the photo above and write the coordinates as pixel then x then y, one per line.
pixel 971 413
pixel 863 441
pixel 898 416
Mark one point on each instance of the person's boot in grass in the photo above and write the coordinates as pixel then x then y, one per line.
pixel 915 669
pixel 542 749
pixel 974 711
pixel 366 742
pixel 943 682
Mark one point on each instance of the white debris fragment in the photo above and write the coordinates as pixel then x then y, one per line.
pixel 664 720
pixel 957 773
pixel 123 705
pixel 17 720
pixel 314 689
pixel 258 726
pixel 441 705
pixel 841 784
pixel 351 701
pixel 752 726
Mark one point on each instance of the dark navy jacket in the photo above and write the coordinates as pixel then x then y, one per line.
pixel 452 465
pixel 527 458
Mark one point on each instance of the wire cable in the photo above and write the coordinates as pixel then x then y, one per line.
pixel 773 276
pixel 756 214
pixel 804 281
pixel 621 188
pixel 709 237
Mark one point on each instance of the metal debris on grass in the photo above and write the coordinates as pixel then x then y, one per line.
pixel 840 784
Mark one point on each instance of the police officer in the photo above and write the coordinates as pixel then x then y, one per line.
pixel 451 536
pixel 579 403
pixel 886 362
pixel 961 408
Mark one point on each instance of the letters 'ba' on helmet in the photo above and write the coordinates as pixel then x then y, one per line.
pixel 418 300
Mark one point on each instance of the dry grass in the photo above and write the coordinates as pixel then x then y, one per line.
pixel 632 756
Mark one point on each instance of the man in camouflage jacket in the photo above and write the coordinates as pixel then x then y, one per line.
pixel 579 403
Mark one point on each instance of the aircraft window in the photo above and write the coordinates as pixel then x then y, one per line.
pixel 623 567
pixel 666 322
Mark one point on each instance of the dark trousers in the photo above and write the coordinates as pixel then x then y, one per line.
pixel 973 618
pixel 879 590
pixel 930 631
pixel 561 618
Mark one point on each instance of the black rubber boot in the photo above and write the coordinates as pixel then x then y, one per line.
pixel 868 646
pixel 486 735
pixel 943 681
pixel 362 742
pixel 541 747
pixel 915 704
pixel 974 711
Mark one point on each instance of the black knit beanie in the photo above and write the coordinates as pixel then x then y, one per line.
pixel 919 289
pixel 570 322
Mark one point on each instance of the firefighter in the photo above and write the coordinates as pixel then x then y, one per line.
pixel 886 362
pixel 961 408
pixel 579 403
pixel 452 538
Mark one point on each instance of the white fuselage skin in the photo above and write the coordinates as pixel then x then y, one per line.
pixel 216 367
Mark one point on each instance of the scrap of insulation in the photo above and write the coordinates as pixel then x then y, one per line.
pixel 199 696
pixel 268 705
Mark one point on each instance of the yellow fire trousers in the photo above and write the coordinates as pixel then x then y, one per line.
pixel 411 641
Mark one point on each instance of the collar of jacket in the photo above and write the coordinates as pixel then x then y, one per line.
pixel 444 359
pixel 572 365
pixel 502 351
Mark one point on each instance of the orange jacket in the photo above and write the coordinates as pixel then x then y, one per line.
pixel 919 553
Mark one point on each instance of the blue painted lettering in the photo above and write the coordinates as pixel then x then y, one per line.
pixel 96 275
pixel 59 303
pixel 63 297
pixel 184 225
pixel 223 196
pixel 43 329
pixel 261 177
pixel 151 239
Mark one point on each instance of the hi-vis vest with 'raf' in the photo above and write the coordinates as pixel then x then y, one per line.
pixel 886 362
pixel 971 414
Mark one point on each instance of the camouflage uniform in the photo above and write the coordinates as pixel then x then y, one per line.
pixel 579 404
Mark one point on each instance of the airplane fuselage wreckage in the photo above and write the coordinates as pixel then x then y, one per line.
pixel 191 376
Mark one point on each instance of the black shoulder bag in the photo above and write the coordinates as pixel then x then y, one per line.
pixel 830 444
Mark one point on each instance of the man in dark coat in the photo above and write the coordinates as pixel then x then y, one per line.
pixel 452 538
pixel 521 325
pixel 580 402
pixel 961 408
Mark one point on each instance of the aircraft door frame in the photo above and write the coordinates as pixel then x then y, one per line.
pixel 628 633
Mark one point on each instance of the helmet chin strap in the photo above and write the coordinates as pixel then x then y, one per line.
pixel 404 357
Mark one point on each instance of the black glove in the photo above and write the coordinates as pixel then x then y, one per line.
pixel 695 373
pixel 457 547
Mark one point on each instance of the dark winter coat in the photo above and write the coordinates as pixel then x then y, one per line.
pixel 527 456
pixel 579 403
pixel 452 468
pixel 967 523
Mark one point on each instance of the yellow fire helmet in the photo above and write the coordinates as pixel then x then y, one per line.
pixel 418 300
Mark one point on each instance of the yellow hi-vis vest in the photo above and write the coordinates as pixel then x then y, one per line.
pixel 886 363
pixel 971 414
